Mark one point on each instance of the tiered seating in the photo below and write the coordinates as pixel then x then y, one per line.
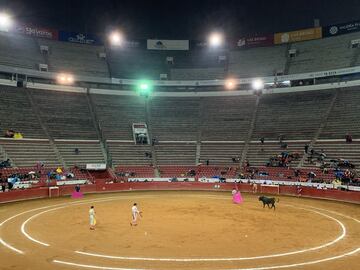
pixel 295 115
pixel 26 153
pixel 220 153
pixel 89 152
pixel 323 54
pixel 129 153
pixel 216 171
pixel 344 116
pixel 201 171
pixel 197 73
pixel 176 171
pixel 65 115
pixel 285 174
pixel 175 119
pixel 134 64
pixel 139 171
pixel 116 114
pixel 337 150
pixel 16 113
pixel 259 154
pixel 257 61
pixel 79 59
pixel 226 118
pixel 19 51
pixel 176 153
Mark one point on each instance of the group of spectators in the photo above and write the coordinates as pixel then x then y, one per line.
pixel 58 174
pixel 10 133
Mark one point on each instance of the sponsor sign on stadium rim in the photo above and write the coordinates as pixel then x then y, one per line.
pixel 340 29
pixel 164 44
pixel 258 41
pixel 298 35
pixel 37 31
pixel 79 38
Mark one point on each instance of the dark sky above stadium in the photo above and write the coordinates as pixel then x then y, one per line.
pixel 182 19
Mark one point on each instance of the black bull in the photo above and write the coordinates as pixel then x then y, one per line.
pixel 268 201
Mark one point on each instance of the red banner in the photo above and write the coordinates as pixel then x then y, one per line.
pixel 36 31
pixel 258 41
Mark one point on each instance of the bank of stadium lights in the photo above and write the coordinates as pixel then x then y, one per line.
pixel 116 38
pixel 144 88
pixel 66 79
pixel 230 84
pixel 216 39
pixel 5 21
pixel 257 84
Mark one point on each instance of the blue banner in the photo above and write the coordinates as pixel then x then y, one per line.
pixel 341 28
pixel 80 38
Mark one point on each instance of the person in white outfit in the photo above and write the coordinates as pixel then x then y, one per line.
pixel 92 218
pixel 135 214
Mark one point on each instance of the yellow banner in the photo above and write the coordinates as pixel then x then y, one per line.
pixel 299 35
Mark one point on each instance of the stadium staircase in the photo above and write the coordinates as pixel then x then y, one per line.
pixel 104 149
pixel 51 140
pixel 321 127
pixel 251 129
pixel 150 136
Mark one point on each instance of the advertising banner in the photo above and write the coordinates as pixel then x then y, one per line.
pixel 340 29
pixel 35 31
pixel 164 44
pixel 79 38
pixel 258 41
pixel 298 35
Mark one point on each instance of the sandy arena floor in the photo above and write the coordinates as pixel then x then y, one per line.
pixel 179 230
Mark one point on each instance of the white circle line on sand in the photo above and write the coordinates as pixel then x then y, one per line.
pixel 10 247
pixel 256 268
pixel 341 236
pixel 7 245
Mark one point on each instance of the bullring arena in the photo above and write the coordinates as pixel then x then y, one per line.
pixel 100 129
pixel 179 230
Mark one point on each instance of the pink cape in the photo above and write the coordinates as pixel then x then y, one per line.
pixel 77 195
pixel 237 198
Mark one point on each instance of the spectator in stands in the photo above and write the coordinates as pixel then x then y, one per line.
pixel 207 162
pixel 3 183
pixel 297 173
pixel 306 148
pixel 281 138
pixel 311 176
pixel 262 140
pixel 5 164
pixel 9 133
pixel 76 151
pixel 348 138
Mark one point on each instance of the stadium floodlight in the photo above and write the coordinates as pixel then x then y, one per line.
pixel 257 84
pixel 116 38
pixel 65 78
pixel 216 39
pixel 144 88
pixel 5 21
pixel 230 84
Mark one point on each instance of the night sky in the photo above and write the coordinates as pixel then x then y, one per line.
pixel 182 19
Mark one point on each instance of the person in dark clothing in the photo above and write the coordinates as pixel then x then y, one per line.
pixel 306 148
pixel 262 140
pixel 207 162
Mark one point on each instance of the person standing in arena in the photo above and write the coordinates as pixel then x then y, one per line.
pixel 92 218
pixel 135 214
